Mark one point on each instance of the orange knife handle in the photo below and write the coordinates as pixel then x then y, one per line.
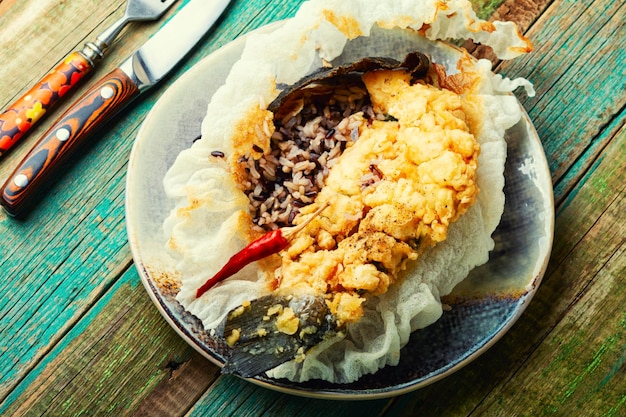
pixel 28 109
pixel 73 128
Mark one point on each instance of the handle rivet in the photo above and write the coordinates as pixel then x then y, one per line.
pixel 107 92
pixel 62 134
pixel 20 180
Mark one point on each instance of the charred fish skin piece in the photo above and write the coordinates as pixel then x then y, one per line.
pixel 272 330
pixel 416 63
pixel 332 101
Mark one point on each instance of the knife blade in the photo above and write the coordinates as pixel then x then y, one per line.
pixel 141 70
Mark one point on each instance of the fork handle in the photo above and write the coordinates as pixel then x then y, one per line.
pixel 22 115
pixel 104 99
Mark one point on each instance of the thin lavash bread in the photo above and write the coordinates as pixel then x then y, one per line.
pixel 211 222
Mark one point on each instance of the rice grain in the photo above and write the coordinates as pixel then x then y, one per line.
pixel 304 146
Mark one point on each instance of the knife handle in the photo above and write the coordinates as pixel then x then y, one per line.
pixel 97 105
pixel 20 116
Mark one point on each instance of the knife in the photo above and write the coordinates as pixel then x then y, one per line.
pixel 142 70
pixel 24 113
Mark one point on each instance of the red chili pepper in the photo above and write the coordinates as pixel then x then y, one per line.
pixel 268 244
pixel 264 246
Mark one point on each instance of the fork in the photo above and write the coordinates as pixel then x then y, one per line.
pixel 22 115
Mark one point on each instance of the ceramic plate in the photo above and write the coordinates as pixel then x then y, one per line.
pixel 484 306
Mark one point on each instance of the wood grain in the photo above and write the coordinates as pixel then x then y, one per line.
pixel 55 266
pixel 70 24
pixel 579 363
pixel 184 385
pixel 232 396
pixel 90 367
pixel 566 353
pixel 79 334
pixel 82 254
pixel 574 78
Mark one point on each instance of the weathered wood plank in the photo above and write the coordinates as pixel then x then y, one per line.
pixel 541 365
pixel 589 159
pixel 49 30
pixel 174 395
pixel 119 354
pixel 56 271
pixel 232 396
pixel 601 70
pixel 599 190
pixel 54 274
pixel 569 228
pixel 85 251
pixel 578 68
pixel 55 266
pixel 579 364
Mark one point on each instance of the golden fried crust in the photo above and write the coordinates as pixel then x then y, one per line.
pixel 425 160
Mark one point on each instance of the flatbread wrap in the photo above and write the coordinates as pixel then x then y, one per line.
pixel 409 170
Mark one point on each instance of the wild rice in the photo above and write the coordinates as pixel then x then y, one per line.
pixel 303 148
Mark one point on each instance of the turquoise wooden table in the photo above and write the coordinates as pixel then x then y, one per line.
pixel 80 336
